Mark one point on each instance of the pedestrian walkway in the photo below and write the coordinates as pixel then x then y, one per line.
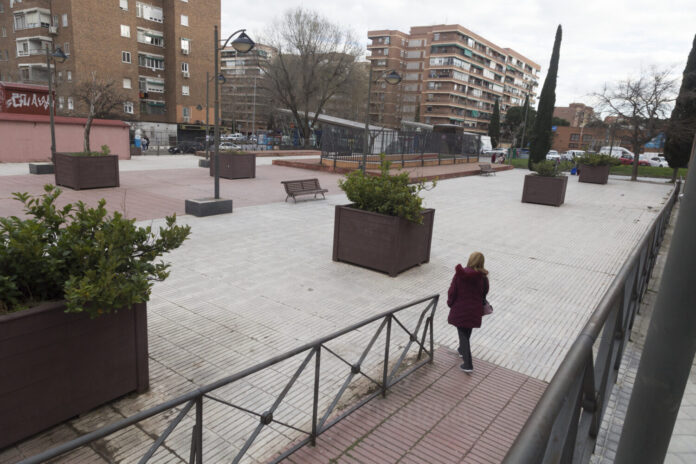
pixel 258 282
pixel 437 415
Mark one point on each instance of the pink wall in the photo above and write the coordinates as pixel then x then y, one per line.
pixel 27 138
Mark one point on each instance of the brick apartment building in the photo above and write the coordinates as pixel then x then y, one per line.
pixel 157 51
pixel 450 76
pixel 245 103
pixel 577 114
pixel 589 138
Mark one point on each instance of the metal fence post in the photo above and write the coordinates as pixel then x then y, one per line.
pixel 385 372
pixel 315 405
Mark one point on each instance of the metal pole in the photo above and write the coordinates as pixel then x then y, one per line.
pixel 366 143
pixel 217 119
pixel 524 124
pixel 669 349
pixel 51 110
pixel 207 115
pixel 253 117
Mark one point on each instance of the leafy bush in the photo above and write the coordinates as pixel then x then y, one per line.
pixel 547 168
pixel 385 194
pixel 595 159
pixel 105 150
pixel 97 263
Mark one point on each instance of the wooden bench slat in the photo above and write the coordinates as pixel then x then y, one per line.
pixel 295 188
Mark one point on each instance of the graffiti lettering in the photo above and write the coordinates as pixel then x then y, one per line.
pixel 22 100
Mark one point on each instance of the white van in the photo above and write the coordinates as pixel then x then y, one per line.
pixel 616 152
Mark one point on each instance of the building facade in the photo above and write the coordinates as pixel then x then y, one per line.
pixel 245 103
pixel 589 138
pixel 450 75
pixel 156 51
pixel 577 114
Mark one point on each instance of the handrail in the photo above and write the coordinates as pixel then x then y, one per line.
pixel 564 425
pixel 312 350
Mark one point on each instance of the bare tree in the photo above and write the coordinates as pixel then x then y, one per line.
pixel 101 98
pixel 642 104
pixel 315 60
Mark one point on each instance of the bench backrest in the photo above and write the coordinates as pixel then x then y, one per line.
pixel 303 185
pixel 485 166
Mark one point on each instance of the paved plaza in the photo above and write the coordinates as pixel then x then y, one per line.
pixel 258 282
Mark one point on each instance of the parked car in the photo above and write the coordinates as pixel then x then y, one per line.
pixel 616 152
pixel 227 146
pixel 497 151
pixel 628 159
pixel 236 137
pixel 553 155
pixel 570 155
pixel 187 147
pixel 657 160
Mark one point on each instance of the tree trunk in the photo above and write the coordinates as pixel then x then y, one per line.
pixel 674 175
pixel 88 128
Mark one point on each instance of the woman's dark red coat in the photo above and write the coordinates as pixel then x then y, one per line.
pixel 465 297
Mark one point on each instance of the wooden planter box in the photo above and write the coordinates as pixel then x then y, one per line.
pixel 55 366
pixel 594 174
pixel 544 190
pixel 85 172
pixel 235 165
pixel 384 243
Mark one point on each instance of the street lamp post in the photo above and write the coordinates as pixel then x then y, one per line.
pixel 208 78
pixel 57 53
pixel 391 77
pixel 241 44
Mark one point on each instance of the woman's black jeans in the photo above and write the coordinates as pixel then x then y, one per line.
pixel 464 347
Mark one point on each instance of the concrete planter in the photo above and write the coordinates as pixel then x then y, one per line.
pixel 85 172
pixel 55 365
pixel 544 190
pixel 235 165
pixel 594 174
pixel 384 243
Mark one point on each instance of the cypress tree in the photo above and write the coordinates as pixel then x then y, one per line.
pixel 494 126
pixel 540 142
pixel 682 123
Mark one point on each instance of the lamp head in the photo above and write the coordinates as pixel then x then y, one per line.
pixel 221 78
pixel 243 43
pixel 59 55
pixel 392 77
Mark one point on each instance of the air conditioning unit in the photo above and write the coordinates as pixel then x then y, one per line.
pixel 185 51
pixel 53 30
pixel 186 74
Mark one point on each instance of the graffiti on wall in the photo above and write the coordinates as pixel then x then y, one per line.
pixel 23 101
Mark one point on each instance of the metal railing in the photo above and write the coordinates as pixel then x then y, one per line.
pixel 421 336
pixel 564 425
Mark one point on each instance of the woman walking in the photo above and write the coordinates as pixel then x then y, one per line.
pixel 466 298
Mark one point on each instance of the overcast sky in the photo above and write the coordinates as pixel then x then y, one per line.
pixel 603 40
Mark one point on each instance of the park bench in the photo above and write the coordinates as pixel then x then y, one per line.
pixel 294 188
pixel 486 169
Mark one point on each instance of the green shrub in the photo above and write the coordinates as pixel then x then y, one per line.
pixel 547 168
pixel 385 194
pixel 97 263
pixel 105 150
pixel 595 159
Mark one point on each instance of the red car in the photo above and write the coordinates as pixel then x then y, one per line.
pixel 628 159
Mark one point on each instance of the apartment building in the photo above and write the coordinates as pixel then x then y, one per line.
pixel 577 114
pixel 157 51
pixel 245 104
pixel 450 75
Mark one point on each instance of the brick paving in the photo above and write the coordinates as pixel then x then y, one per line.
pixel 258 282
pixel 437 415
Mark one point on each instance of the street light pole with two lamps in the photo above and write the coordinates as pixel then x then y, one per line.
pixel 391 77
pixel 241 44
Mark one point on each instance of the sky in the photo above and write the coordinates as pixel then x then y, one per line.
pixel 604 41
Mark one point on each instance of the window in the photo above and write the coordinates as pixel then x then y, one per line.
pixel 128 107
pixel 126 57
pixel 60 76
pixel 61 103
pixel 186 113
pixel 71 106
pixel 574 137
pixel 123 4
pixel 436 36
pixel 151 37
pixel 154 62
pixel 127 84
pixel 125 30
pixel 184 90
pixel 184 20
pixel 184 67
pixel 65 20
pixel 2 8
pixel 56 21
pixel 4 32
pixel 66 48
pixel 69 75
pixel 149 12
pixel 185 46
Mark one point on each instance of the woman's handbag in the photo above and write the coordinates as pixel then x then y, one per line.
pixel 487 308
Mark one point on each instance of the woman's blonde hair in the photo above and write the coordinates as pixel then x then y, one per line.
pixel 476 262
